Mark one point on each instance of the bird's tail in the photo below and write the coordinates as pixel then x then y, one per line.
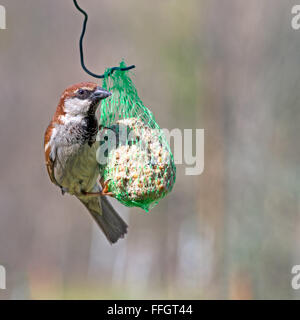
pixel 112 225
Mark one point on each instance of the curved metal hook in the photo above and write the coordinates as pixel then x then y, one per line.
pixel 99 76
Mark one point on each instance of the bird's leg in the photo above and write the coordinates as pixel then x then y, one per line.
pixel 94 194
pixel 103 192
pixel 97 194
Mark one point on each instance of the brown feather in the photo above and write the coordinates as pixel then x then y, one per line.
pixel 48 160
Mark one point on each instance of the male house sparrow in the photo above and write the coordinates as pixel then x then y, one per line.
pixel 70 152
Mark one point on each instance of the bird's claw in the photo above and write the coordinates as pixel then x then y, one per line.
pixel 63 190
pixel 104 185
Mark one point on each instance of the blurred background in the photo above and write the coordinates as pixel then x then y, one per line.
pixel 229 67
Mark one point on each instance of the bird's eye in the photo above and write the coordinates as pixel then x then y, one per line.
pixel 81 92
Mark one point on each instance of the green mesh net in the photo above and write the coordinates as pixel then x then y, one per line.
pixel 139 168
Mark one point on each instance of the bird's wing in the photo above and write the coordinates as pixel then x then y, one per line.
pixel 49 157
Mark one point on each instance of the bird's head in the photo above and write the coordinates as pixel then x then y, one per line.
pixel 82 99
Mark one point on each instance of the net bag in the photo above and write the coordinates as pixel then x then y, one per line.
pixel 138 167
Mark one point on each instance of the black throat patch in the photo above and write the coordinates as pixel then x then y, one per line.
pixel 89 129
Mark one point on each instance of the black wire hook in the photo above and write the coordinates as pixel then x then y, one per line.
pixel 81 50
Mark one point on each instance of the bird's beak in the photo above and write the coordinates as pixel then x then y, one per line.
pixel 100 93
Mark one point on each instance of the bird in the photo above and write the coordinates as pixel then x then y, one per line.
pixel 70 155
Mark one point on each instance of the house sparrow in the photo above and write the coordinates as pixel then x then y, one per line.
pixel 70 153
